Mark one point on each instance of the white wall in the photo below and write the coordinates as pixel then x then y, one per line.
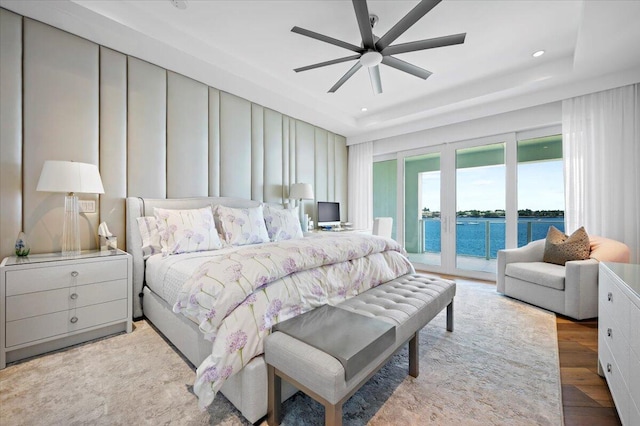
pixel 523 119
pixel 152 132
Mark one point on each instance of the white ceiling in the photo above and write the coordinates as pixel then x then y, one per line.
pixel 247 48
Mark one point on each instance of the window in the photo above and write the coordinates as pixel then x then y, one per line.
pixel 385 190
pixel 540 187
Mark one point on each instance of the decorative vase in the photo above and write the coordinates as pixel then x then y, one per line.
pixel 22 247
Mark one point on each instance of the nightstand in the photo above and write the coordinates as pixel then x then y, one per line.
pixel 51 302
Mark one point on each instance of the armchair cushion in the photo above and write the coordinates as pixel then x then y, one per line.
pixel 541 273
pixel 560 248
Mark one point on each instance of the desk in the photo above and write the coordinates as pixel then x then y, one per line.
pixel 338 231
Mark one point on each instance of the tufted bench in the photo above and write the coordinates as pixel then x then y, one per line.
pixel 409 302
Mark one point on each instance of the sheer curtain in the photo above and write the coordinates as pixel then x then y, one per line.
pixel 601 144
pixel 360 185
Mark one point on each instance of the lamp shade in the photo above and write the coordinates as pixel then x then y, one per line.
pixel 301 191
pixel 70 176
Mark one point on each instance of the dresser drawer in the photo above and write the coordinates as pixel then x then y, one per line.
pixel 46 302
pixel 58 323
pixel 634 328
pixel 634 415
pixel 609 334
pixel 634 378
pixel 617 386
pixel 64 275
pixel 615 303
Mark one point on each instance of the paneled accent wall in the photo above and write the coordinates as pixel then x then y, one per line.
pixel 152 132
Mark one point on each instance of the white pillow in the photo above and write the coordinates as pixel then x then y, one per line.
pixel 242 226
pixel 282 224
pixel 150 236
pixel 185 231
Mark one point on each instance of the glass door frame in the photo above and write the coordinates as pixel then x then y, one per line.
pixel 448 203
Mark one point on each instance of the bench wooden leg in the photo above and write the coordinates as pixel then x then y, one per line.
pixel 414 356
pixel 333 414
pixel 450 316
pixel 274 398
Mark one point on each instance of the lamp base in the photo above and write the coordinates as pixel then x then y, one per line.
pixel 304 225
pixel 70 227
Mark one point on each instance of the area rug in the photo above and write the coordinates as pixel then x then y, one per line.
pixel 499 366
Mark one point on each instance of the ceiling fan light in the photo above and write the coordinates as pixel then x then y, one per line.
pixel 371 59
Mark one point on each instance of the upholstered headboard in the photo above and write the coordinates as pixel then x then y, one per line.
pixel 138 207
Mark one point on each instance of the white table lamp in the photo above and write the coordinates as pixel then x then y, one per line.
pixel 301 191
pixel 71 178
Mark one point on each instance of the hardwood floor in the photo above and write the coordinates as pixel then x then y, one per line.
pixel 585 395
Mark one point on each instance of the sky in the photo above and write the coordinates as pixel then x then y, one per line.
pixel 540 187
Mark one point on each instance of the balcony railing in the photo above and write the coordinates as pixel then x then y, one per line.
pixel 483 237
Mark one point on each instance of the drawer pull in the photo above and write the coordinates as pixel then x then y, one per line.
pixel 75 320
pixel 74 296
pixel 76 273
pixel 608 368
pixel 609 332
pixel 610 297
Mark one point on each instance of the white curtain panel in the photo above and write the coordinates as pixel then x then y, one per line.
pixel 601 144
pixel 360 185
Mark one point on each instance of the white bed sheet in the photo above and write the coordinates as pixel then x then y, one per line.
pixel 166 275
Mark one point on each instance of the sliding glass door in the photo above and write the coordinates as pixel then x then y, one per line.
pixel 480 206
pixel 422 194
pixel 457 204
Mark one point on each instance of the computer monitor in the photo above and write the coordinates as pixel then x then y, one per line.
pixel 328 213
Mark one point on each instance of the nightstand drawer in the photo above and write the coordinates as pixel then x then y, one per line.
pixel 66 275
pixel 63 299
pixel 58 323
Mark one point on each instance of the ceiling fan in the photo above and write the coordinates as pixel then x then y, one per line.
pixel 375 50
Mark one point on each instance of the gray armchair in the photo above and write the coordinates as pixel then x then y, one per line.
pixel 570 290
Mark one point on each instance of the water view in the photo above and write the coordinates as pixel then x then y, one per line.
pixel 483 237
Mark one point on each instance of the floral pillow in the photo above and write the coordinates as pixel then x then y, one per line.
pixel 185 231
pixel 150 236
pixel 282 224
pixel 242 226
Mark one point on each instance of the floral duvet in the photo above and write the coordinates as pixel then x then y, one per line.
pixel 237 296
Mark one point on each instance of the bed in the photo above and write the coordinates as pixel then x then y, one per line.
pixel 165 290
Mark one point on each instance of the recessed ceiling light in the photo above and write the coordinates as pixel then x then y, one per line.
pixel 363 109
pixel 179 4
pixel 538 53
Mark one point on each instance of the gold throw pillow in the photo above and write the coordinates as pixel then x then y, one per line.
pixel 560 248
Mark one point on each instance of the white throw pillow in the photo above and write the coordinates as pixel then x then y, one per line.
pixel 242 226
pixel 150 236
pixel 185 231
pixel 282 224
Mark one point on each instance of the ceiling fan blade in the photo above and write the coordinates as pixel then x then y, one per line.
pixel 328 39
pixel 405 23
pixel 346 77
pixel 374 76
pixel 431 43
pixel 406 67
pixel 362 15
pixel 331 62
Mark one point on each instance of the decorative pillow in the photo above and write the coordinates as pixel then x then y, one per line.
pixel 184 231
pixel 150 236
pixel 560 248
pixel 282 224
pixel 242 226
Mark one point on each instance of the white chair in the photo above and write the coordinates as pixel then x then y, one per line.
pixel 382 226
pixel 570 290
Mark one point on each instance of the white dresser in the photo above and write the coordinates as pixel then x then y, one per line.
pixel 50 302
pixel 619 336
